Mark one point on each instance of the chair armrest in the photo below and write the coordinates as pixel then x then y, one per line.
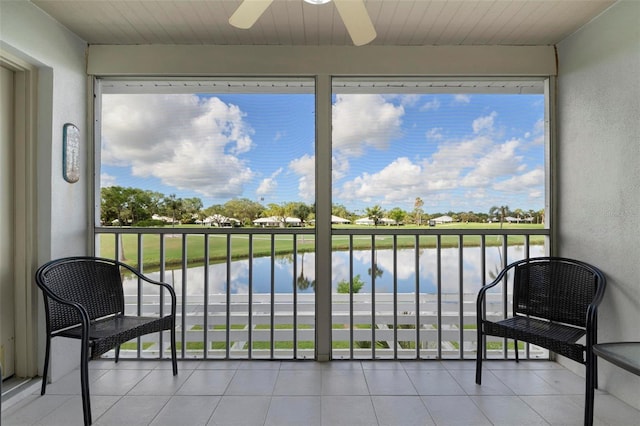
pixel 143 277
pixel 480 311
pixel 82 311
pixel 591 321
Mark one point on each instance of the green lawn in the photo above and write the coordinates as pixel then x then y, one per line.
pixel 284 243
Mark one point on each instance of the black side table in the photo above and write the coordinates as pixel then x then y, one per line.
pixel 623 354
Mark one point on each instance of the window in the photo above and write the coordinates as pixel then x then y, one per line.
pixel 211 185
pixel 415 156
pixel 208 152
pixel 420 150
pixel 183 164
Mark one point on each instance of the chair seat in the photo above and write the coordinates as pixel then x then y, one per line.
pixel 558 338
pixel 107 333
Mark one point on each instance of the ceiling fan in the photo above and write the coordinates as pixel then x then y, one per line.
pixel 353 13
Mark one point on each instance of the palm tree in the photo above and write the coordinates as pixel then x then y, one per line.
pixel 174 205
pixel 375 271
pixel 417 208
pixel 502 210
pixel 303 282
pixel 375 213
pixel 519 214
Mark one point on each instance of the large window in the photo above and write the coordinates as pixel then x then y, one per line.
pixel 417 164
pixel 211 185
pixel 195 177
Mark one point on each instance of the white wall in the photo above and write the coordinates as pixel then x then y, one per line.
pixel 59 56
pixel 598 149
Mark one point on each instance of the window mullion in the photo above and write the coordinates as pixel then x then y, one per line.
pixel 323 217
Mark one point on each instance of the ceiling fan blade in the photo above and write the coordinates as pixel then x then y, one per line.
pixel 356 18
pixel 248 13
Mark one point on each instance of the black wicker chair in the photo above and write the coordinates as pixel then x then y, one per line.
pixel 555 302
pixel 84 299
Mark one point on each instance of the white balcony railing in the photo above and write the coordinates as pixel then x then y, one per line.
pixel 236 303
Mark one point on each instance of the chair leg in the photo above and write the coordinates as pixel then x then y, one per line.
pixel 174 357
pixel 117 353
pixel 515 342
pixel 45 369
pixel 84 383
pixel 590 390
pixel 479 355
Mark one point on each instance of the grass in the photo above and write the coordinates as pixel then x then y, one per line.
pixel 131 346
pixel 284 243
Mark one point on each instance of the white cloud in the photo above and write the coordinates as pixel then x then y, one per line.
pixel 539 140
pixel 536 194
pixel 339 167
pixel 435 133
pixel 484 123
pixel 470 167
pixel 500 160
pixel 394 183
pixel 304 167
pixel 538 131
pixel 269 185
pixel 107 180
pixel 364 120
pixel 444 169
pixel 529 181
pixel 432 105
pixel 185 141
pixel 409 100
pixel 462 99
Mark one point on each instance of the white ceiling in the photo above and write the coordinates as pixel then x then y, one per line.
pixel 294 22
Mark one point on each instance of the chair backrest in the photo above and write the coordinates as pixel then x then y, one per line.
pixel 93 282
pixel 557 289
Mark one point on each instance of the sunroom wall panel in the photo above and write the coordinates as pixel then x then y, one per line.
pixel 158 60
pixel 599 179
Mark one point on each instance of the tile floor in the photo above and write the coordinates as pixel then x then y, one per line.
pixel 307 393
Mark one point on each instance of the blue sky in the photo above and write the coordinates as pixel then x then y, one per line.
pixel 456 152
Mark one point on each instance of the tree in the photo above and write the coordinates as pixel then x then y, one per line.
pixel 397 214
pixel 112 204
pixel 375 271
pixel 417 210
pixel 519 214
pixel 343 286
pixel 278 211
pixel 469 217
pixel 173 205
pixel 191 208
pixel 302 281
pixel 299 210
pixel 243 209
pixel 375 213
pixel 341 211
pixel 502 211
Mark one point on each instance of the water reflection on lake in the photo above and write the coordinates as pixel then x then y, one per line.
pixel 362 265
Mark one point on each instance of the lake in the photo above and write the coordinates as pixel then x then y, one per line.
pixel 362 265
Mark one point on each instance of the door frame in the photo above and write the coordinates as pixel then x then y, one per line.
pixel 25 296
